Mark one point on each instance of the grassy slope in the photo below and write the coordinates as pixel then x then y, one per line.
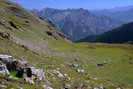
pixel 50 54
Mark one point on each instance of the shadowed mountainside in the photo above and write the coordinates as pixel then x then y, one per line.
pixel 123 34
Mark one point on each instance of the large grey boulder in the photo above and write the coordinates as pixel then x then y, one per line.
pixel 6 58
pixel 32 74
pixel 9 62
pixel 3 69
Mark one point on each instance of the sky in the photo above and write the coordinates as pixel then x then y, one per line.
pixel 62 4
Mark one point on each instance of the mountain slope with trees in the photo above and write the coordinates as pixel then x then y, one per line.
pixel 123 34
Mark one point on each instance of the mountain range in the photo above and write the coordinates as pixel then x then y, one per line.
pixel 124 14
pixel 78 23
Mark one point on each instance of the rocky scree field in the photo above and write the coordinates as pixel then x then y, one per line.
pixel 67 65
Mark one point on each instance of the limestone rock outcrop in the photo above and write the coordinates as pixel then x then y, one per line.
pixel 22 68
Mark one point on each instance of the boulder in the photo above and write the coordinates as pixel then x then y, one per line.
pixel 6 58
pixel 9 62
pixel 32 74
pixel 3 69
pixel 22 67
pixel 38 73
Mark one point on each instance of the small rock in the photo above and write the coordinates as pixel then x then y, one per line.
pixel 96 88
pixel 2 86
pixel 95 78
pixel 39 73
pixel 73 65
pixel 76 60
pixel 19 87
pixel 46 87
pixel 80 70
pixel 101 87
pixel 12 88
pixel 67 86
pixel 59 74
pixel 119 88
pixel 5 35
pixel 67 77
pixel 29 80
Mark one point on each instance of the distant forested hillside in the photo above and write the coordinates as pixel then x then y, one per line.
pixel 123 34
